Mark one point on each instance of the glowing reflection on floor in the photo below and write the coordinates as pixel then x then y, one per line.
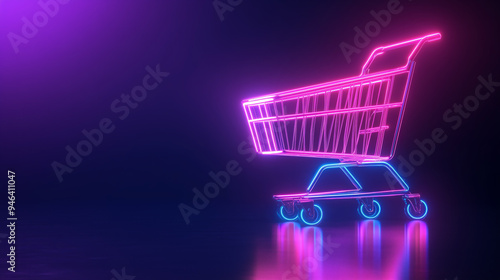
pixel 363 250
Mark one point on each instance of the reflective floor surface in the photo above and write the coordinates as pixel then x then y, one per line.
pixel 125 241
pixel 361 250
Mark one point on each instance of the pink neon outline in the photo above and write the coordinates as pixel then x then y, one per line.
pixel 365 79
pixel 271 130
pixel 271 152
pixel 255 139
pixel 361 111
pixel 336 112
pixel 265 128
pixel 381 50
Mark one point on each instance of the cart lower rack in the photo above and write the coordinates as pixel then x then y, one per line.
pixel 355 120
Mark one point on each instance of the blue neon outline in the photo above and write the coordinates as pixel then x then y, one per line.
pixel 315 178
pixel 352 178
pixel 344 166
pixel 417 218
pixel 323 168
pixel 318 220
pixel 370 217
pixel 284 217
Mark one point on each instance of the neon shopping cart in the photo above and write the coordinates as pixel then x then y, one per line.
pixel 355 120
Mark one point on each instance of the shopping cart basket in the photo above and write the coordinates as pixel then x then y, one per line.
pixel 355 120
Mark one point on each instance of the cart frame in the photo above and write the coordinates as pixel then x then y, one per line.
pixel 359 125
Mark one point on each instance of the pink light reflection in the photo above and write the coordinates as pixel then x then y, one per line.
pixel 369 254
pixel 365 250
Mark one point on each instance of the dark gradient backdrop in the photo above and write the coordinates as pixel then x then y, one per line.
pixel 119 206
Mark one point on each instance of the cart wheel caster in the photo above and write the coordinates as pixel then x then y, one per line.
pixel 365 212
pixel 312 216
pixel 282 213
pixel 417 215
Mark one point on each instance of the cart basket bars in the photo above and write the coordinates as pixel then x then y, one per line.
pixel 354 119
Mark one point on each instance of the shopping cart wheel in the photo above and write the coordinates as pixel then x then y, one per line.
pixel 372 213
pixel 311 215
pixel 285 215
pixel 417 214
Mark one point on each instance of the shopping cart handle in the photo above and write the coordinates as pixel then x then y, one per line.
pixel 418 45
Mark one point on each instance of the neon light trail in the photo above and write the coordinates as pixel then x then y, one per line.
pixel 355 120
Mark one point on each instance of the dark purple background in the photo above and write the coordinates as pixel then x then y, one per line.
pixel 129 187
